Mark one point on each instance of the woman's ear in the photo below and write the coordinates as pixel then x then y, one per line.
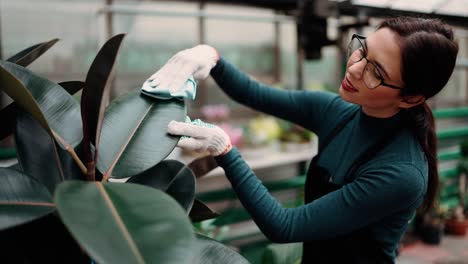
pixel 411 101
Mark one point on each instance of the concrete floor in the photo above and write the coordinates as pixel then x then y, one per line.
pixel 452 250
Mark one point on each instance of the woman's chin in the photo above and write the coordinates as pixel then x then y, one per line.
pixel 345 96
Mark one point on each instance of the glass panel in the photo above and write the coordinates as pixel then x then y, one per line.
pixel 74 23
pixel 424 6
pixel 151 39
pixel 454 7
pixel 376 3
pixel 246 43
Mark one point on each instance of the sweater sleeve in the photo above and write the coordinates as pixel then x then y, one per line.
pixel 376 192
pixel 305 108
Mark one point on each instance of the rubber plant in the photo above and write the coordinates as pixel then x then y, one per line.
pixel 59 203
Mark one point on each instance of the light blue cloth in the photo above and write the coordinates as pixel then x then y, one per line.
pixel 187 91
pixel 197 122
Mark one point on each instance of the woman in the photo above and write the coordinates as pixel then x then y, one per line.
pixel 377 153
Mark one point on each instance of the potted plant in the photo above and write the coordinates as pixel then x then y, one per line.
pixel 457 223
pixel 429 226
pixel 261 137
pixel 59 205
pixel 294 137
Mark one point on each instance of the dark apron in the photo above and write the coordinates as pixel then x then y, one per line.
pixel 358 246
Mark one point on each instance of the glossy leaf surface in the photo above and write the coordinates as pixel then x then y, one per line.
pixel 8 114
pixel 211 251
pixel 125 223
pixel 97 91
pixel 22 199
pixel 28 55
pixel 134 136
pixel 56 110
pixel 39 155
pixel 171 177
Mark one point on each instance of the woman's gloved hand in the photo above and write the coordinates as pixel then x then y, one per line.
pixel 197 61
pixel 201 139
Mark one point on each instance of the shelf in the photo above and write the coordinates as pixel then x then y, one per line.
pixel 269 157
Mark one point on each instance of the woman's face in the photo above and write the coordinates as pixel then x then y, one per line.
pixel 383 50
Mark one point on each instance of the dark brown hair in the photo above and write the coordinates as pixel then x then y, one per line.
pixel 428 53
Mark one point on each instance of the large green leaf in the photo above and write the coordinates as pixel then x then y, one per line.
pixel 23 58
pixel 28 55
pixel 125 223
pixel 97 91
pixel 36 151
pixel 22 199
pixel 200 212
pixel 134 135
pixel 39 155
pixel 171 177
pixel 211 251
pixel 8 114
pixel 56 110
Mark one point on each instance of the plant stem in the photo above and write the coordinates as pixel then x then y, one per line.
pixel 76 158
pixel 105 177
pixel 90 171
pixel 72 152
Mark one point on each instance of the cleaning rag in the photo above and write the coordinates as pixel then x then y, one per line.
pixel 186 91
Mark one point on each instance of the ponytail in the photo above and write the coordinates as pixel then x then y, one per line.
pixel 428 56
pixel 421 122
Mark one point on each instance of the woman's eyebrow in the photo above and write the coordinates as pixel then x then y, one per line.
pixel 381 68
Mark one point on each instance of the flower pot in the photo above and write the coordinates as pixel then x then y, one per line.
pixel 431 234
pixel 456 227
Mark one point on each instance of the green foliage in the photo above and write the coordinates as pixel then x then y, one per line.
pixel 125 216
pixel 464 148
pixel 68 149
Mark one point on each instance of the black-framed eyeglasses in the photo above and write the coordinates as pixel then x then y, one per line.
pixel 357 50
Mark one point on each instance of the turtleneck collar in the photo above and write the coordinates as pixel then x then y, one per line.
pixel 375 124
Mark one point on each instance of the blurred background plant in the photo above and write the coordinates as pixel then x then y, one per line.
pixel 219 114
pixel 262 131
pixel 209 229
pixel 294 133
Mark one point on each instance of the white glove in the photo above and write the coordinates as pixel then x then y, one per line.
pixel 197 61
pixel 201 139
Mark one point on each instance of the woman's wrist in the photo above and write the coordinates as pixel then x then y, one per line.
pixel 226 150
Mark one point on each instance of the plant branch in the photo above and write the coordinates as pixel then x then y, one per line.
pixel 105 177
pixel 91 171
pixel 72 153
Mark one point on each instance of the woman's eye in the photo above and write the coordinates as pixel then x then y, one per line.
pixel 377 73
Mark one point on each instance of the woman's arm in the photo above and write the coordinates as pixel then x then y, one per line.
pixel 373 195
pixel 304 108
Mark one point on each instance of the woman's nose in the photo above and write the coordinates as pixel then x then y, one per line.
pixel 356 69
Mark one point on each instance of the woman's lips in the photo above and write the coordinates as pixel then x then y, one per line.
pixel 347 86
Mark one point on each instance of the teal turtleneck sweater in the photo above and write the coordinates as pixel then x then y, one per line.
pixel 383 195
